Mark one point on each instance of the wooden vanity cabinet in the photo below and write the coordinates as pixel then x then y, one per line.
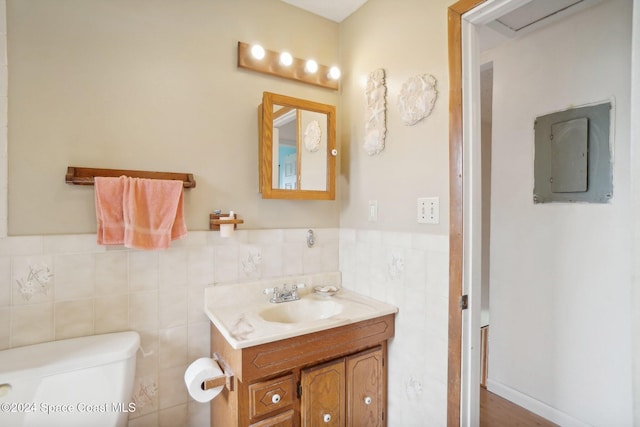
pixel 335 377
pixel 346 392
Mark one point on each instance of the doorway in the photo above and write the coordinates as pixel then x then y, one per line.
pixel 465 229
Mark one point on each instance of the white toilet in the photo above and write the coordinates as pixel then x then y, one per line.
pixel 84 381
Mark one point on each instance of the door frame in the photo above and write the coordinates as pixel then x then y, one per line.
pixel 456 247
pixel 463 390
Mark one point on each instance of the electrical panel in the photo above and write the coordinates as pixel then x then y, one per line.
pixel 573 156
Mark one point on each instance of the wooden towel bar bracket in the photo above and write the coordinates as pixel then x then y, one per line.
pixel 85 176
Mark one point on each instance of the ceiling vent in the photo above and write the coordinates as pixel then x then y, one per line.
pixel 536 14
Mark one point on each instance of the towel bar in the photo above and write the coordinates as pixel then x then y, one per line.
pixel 85 176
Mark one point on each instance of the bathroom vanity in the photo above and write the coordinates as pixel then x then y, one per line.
pixel 300 367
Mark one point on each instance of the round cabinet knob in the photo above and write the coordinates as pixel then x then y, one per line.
pixel 275 398
pixel 334 152
pixel 367 400
pixel 326 418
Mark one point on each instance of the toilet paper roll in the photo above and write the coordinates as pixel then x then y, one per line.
pixel 226 230
pixel 200 370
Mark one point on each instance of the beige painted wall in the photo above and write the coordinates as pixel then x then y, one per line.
pixel 405 38
pixel 150 85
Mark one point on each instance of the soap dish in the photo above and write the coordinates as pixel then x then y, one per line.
pixel 328 291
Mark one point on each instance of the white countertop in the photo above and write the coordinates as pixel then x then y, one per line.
pixel 234 310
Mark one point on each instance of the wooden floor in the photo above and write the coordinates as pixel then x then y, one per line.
pixel 498 412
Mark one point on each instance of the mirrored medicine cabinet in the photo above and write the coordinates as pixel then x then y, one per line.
pixel 297 148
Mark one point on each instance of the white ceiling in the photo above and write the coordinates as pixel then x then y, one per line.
pixel 335 10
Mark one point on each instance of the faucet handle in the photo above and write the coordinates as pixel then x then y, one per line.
pixel 275 291
pixel 294 290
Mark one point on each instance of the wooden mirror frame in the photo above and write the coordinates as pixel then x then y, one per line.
pixel 265 148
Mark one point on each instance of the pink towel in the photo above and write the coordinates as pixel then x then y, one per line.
pixel 109 213
pixel 139 213
pixel 153 213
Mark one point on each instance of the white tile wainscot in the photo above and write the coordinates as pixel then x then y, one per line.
pixel 411 271
pixel 54 287
pixel 408 270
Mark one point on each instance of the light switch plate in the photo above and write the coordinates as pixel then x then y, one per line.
pixel 373 210
pixel 429 210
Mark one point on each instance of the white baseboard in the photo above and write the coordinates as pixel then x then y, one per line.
pixel 533 405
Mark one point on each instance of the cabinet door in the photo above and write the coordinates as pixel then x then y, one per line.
pixel 366 399
pixel 323 395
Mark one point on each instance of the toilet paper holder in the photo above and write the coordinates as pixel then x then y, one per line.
pixel 226 381
pixel 217 219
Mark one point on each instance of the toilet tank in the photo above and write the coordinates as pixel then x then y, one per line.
pixel 75 382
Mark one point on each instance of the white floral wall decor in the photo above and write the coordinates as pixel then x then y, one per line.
pixel 38 281
pixel 312 136
pixel 417 98
pixel 396 266
pixel 251 264
pixel 375 121
pixel 145 392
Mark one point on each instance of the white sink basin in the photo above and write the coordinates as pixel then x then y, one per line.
pixel 301 311
pixel 245 317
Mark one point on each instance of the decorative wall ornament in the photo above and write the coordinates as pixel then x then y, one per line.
pixel 396 266
pixel 417 98
pixel 145 391
pixel 37 281
pixel 251 263
pixel 312 136
pixel 375 127
pixel 413 389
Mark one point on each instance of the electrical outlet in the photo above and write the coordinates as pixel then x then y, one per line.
pixel 429 210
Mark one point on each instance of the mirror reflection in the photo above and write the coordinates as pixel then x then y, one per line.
pixel 297 140
pixel 285 144
pixel 299 145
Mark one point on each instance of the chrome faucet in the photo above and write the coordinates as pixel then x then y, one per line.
pixel 285 294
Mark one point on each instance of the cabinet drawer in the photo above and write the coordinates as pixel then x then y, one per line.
pixel 281 420
pixel 271 395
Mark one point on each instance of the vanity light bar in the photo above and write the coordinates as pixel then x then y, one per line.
pixel 272 64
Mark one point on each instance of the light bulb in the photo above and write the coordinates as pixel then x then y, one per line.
pixel 286 59
pixel 257 51
pixel 334 73
pixel 312 66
